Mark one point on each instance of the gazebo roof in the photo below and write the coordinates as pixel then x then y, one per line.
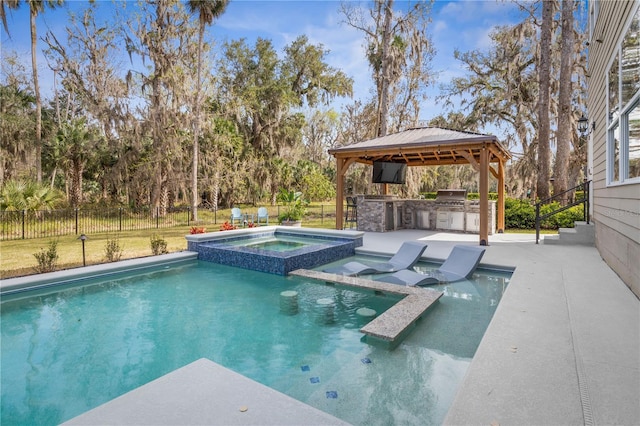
pixel 424 146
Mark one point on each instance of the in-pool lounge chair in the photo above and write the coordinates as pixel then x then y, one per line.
pixel 407 256
pixel 460 264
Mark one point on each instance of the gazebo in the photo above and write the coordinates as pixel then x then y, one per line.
pixel 431 146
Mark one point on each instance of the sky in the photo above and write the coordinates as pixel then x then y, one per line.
pixel 459 24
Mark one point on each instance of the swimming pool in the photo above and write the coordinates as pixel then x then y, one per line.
pixel 66 352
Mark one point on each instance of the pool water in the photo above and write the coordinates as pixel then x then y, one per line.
pixel 64 353
pixel 274 244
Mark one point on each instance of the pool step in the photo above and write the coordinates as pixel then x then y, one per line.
pixel 392 325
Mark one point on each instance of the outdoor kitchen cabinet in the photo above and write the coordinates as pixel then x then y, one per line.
pixel 422 219
pixel 450 220
pixel 473 222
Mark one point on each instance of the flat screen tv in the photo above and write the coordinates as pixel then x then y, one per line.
pixel 386 172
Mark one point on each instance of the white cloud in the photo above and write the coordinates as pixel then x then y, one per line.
pixel 439 26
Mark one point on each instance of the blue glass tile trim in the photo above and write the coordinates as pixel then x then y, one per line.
pixel 332 394
pixel 326 250
pixel 305 368
pixel 315 380
pixel 366 361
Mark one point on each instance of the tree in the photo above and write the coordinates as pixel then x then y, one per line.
pixel 74 147
pixel 506 88
pixel 319 134
pixel 18 195
pixel 93 88
pixel 35 7
pixel 544 85
pixel 501 86
pixel 312 182
pixel 161 37
pixel 207 11
pixel 565 114
pixel 399 52
pixel 16 120
pixel 262 94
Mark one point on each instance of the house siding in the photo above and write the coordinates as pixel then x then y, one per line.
pixel 616 209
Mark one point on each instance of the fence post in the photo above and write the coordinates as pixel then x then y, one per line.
pixel 76 213
pixel 120 219
pixel 188 216
pixel 24 214
pixel 321 213
pixel 157 217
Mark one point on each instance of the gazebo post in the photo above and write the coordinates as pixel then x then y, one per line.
pixel 484 196
pixel 500 196
pixel 339 191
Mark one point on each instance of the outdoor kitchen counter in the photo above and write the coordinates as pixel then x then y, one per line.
pixel 383 214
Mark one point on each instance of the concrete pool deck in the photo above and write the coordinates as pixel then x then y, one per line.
pixel 562 348
pixel 564 344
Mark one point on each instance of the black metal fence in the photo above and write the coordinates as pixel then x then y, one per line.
pixel 44 224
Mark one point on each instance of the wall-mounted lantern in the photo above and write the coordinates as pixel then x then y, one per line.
pixel 583 126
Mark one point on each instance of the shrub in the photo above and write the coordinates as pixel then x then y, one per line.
pixel 197 230
pixel 112 250
pixel 47 259
pixel 295 207
pixel 476 196
pixel 519 214
pixel 429 195
pixel 564 219
pixel 158 245
pixel 17 195
pixel 227 227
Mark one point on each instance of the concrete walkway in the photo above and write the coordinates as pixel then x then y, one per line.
pixel 564 344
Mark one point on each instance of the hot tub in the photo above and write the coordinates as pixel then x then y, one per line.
pixel 275 249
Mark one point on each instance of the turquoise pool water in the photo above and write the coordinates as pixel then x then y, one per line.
pixel 274 243
pixel 66 352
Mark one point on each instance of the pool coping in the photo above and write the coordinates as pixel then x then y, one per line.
pixel 49 279
pixel 222 235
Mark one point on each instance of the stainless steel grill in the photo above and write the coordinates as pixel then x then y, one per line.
pixel 451 196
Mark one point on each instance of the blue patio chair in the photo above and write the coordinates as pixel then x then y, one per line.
pixel 263 214
pixel 236 215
